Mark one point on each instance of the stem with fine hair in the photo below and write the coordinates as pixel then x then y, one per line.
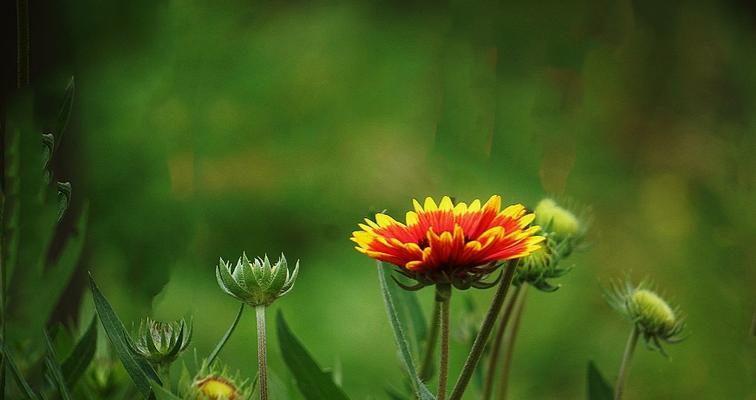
pixel 262 359
pixel 430 344
pixel 619 387
pixel 443 296
pixel 494 360
pixel 485 331
pixel 505 368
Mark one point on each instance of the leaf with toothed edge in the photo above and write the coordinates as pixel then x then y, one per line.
pixel 421 391
pixel 137 367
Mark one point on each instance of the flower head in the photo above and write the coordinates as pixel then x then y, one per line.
pixel 656 320
pixel 450 243
pixel 562 222
pixel 256 283
pixel 162 342
pixel 215 383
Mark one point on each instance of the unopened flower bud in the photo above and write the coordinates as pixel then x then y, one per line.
pixel 560 221
pixel 655 319
pixel 215 383
pixel 256 283
pixel 161 342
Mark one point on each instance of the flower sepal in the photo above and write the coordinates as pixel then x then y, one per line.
pixel 256 283
pixel 160 342
pixel 463 279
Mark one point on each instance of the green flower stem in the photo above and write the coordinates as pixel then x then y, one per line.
pixel 485 331
pixel 619 387
pixel 430 345
pixel 164 370
pixel 262 358
pixel 226 336
pixel 443 296
pixel 509 350
pixel 494 359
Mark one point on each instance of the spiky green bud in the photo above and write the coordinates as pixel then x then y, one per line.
pixel 542 265
pixel 161 342
pixel 256 283
pixel 655 319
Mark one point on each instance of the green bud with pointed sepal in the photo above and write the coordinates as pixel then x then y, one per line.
pixel 258 282
pixel 160 342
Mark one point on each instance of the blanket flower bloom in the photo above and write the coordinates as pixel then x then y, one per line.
pixel 450 243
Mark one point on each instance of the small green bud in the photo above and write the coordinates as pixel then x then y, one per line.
pixel 541 266
pixel 561 222
pixel 256 283
pixel 652 315
pixel 159 342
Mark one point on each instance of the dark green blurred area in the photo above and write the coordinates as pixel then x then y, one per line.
pixel 204 129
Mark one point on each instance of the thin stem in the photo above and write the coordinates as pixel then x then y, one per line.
pixel 443 296
pixel 226 336
pixel 262 359
pixel 520 299
pixel 164 370
pixel 619 387
pixel 485 330
pixel 430 345
pixel 494 360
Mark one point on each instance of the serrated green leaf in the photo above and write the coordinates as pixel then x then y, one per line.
pixel 21 382
pixel 78 361
pixel 53 368
pixel 312 381
pixel 598 387
pixel 226 336
pixel 421 391
pixel 410 316
pixel 137 367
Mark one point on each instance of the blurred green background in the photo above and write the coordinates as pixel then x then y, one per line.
pixel 204 129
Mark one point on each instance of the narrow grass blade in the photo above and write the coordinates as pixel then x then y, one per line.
pixel 312 381
pixel 22 384
pixel 162 393
pixel 421 391
pixel 226 336
pixel 61 122
pixel 82 354
pixel 137 367
pixel 53 368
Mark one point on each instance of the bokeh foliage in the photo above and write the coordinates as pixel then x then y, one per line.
pixel 202 129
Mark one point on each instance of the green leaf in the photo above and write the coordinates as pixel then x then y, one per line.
pixel 54 369
pixel 312 381
pixel 32 311
pixel 137 367
pixel 410 315
pixel 20 381
pixel 598 388
pixel 61 122
pixel 226 336
pixel 162 393
pixel 421 391
pixel 78 361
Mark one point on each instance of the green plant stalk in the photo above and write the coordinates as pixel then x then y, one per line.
pixel 494 359
pixel 214 355
pixel 164 370
pixel 520 300
pixel 443 296
pixel 632 341
pixel 485 331
pixel 430 344
pixel 262 354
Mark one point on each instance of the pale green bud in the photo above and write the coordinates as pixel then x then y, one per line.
pixel 161 342
pixel 655 319
pixel 561 222
pixel 256 283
